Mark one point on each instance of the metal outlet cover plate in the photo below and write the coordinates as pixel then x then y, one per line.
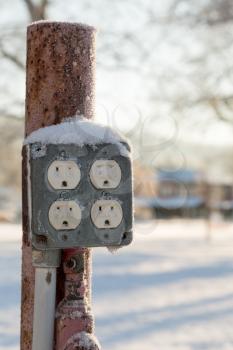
pixel 43 195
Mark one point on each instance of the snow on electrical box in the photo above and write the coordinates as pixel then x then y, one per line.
pixel 80 187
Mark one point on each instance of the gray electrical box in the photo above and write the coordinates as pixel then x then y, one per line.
pixel 80 196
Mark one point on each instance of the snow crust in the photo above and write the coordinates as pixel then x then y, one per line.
pixel 45 21
pixel 78 131
pixel 85 340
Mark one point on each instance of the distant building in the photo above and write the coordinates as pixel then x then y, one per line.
pixel 180 193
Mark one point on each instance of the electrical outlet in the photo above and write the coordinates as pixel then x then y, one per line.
pixel 106 213
pixel 64 174
pixel 105 173
pixel 65 215
pixel 53 224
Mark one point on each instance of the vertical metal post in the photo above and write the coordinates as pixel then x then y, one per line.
pixel 44 308
pixel 60 83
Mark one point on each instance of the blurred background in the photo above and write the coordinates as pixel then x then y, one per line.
pixel 164 79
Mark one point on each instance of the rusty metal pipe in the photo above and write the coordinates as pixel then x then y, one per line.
pixel 60 83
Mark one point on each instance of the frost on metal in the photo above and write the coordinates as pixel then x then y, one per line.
pixel 64 23
pixel 113 249
pixel 83 340
pixel 78 131
pixel 78 309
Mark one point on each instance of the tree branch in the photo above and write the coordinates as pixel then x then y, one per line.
pixel 37 12
pixel 11 57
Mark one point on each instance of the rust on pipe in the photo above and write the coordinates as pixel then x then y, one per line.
pixel 59 84
pixel 73 314
pixel 60 73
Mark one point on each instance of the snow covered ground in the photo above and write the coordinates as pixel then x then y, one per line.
pixel 171 290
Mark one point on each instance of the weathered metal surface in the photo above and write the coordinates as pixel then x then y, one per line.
pixel 60 83
pixel 46 258
pixel 60 73
pixel 28 272
pixel 27 298
pixel 86 234
pixel 74 311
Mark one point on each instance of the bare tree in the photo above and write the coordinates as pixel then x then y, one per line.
pixel 35 11
pixel 211 78
pixel 138 50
